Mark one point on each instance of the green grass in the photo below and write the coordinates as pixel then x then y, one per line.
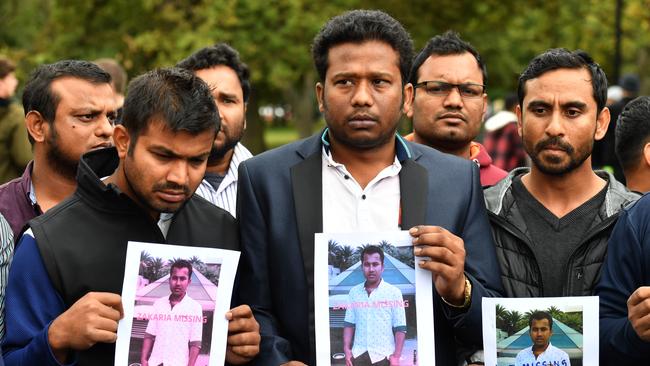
pixel 278 136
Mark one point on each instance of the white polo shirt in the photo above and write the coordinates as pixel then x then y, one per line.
pixel 552 356
pixel 174 328
pixel 348 207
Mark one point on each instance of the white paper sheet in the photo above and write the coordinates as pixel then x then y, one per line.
pixel 212 284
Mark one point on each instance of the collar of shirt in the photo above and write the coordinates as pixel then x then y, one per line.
pixel 165 221
pixel 348 207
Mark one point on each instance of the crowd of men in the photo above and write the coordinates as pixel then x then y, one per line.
pixel 168 167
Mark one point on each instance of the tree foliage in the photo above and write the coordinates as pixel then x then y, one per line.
pixel 274 37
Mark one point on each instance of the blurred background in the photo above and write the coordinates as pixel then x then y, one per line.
pixel 274 37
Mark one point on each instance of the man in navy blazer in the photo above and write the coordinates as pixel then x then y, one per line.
pixel 359 175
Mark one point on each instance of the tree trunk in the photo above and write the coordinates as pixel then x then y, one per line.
pixel 302 102
pixel 254 135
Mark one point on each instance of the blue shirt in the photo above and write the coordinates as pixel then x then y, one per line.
pixel 32 304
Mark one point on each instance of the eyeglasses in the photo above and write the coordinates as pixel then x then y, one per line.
pixel 440 88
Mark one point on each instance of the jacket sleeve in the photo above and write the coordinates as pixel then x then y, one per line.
pixel 624 271
pixel 32 304
pixel 481 268
pixel 254 287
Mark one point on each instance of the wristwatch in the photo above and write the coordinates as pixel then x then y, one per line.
pixel 468 296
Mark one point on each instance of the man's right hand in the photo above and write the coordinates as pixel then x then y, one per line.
pixel 638 309
pixel 348 357
pixel 90 320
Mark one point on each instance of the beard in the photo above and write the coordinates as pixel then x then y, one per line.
pixel 58 160
pixel 553 165
pixel 134 179
pixel 231 139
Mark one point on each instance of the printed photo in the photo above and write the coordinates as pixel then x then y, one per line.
pixel 370 313
pixel 175 308
pixel 541 331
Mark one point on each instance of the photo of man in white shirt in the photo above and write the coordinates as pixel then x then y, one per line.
pixel 174 334
pixel 542 351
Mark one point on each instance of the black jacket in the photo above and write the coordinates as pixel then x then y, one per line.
pixel 83 240
pixel 520 272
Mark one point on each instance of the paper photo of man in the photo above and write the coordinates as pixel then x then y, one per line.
pixel 540 329
pixel 375 320
pixel 164 338
pixel 174 311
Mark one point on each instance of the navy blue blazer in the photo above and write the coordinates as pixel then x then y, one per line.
pixel 279 207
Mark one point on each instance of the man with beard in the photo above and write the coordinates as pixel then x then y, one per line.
pixel 69 110
pixel 450 100
pixel 228 77
pixel 551 221
pixel 62 298
pixel 358 175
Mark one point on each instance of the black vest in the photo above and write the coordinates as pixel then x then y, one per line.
pixel 83 240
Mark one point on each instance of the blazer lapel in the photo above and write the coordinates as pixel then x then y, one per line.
pixel 414 182
pixel 306 181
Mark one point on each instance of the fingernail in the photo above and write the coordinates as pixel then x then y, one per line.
pixel 417 251
pixel 413 230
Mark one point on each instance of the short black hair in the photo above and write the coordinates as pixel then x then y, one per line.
pixel 561 58
pixel 372 249
pixel 181 263
pixel 541 315
pixel 38 95
pixel 448 43
pixel 219 54
pixel 632 132
pixel 358 26
pixel 173 96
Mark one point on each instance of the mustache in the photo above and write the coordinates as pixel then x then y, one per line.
pixel 171 186
pixel 555 141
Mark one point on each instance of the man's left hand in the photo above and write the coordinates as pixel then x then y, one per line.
pixel 447 260
pixel 394 360
pixel 243 335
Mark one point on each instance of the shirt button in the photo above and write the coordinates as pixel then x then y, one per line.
pixel 346 176
pixel 363 196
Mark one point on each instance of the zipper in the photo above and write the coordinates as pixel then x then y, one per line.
pixel 604 225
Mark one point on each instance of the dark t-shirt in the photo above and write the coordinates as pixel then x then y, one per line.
pixel 555 239
pixel 214 179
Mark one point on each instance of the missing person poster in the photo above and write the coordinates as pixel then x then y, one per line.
pixel 549 331
pixel 175 299
pixel 372 302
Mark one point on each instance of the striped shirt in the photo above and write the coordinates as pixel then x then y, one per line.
pixel 226 196
pixel 6 251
